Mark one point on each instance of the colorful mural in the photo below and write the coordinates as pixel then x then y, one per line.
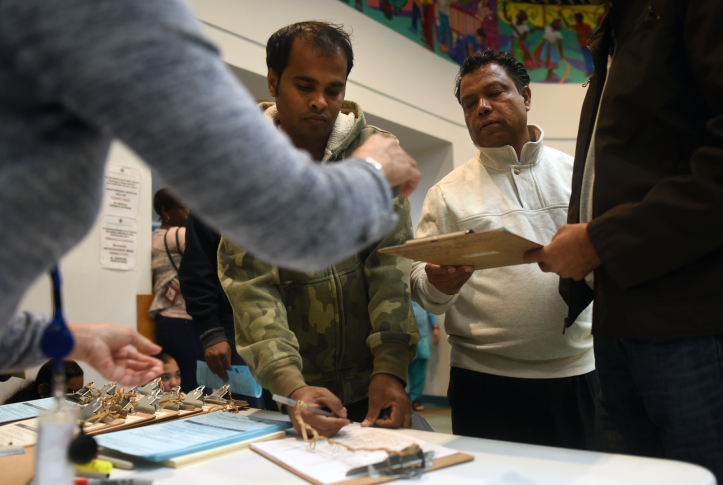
pixel 550 40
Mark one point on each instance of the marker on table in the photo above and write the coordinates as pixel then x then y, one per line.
pixel 115 481
pixel 291 403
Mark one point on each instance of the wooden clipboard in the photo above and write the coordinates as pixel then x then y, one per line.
pixel 450 460
pixel 482 250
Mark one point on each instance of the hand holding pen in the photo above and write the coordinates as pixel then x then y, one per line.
pixel 325 423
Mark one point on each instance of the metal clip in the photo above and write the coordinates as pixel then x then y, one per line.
pixel 175 393
pixel 195 398
pixel 398 466
pixel 148 404
pixel 81 394
pixel 108 389
pixel 217 397
pixel 126 404
pixel 150 387
pixel 90 410
pixel 584 85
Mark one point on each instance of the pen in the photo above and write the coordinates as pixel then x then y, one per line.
pixel 292 403
pixel 115 481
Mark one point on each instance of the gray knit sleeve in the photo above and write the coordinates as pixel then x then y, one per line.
pixel 20 342
pixel 143 72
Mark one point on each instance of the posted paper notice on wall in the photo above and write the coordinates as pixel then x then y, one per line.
pixel 122 191
pixel 118 242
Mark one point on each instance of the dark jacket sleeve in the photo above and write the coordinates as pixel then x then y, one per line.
pixel 676 223
pixel 205 300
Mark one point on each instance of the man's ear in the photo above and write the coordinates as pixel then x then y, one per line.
pixel 44 390
pixel 273 82
pixel 527 95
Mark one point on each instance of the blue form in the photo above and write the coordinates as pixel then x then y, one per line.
pixel 240 378
pixel 191 435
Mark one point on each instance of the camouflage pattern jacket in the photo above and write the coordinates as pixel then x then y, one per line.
pixel 334 328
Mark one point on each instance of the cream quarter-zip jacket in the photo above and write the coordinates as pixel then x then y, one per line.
pixel 507 321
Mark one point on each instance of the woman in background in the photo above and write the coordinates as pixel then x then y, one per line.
pixel 175 330
pixel 42 386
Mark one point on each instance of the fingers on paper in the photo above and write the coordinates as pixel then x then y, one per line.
pixel 325 426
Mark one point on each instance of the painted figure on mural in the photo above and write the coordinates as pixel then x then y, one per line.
pixel 416 16
pixel 548 52
pixel 428 23
pixel 584 32
pixel 468 45
pixel 444 35
pixel 359 4
pixel 520 29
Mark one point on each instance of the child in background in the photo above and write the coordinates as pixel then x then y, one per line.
pixel 171 376
pixel 427 323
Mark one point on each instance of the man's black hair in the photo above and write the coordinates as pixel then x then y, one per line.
pixel 324 36
pixel 45 376
pixel 481 32
pixel 512 66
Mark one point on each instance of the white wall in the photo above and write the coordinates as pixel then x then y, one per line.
pixel 397 83
pixel 92 293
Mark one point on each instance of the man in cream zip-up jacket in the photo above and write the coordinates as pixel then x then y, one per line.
pixel 515 375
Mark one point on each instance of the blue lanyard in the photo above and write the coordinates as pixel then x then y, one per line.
pixel 57 341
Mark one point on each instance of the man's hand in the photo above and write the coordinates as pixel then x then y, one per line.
pixel 570 254
pixel 448 279
pixel 398 167
pixel 435 335
pixel 218 358
pixel 386 391
pixel 319 397
pixel 106 347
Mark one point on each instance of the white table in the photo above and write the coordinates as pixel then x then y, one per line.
pixel 495 463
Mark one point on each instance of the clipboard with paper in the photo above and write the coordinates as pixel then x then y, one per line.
pixel 482 250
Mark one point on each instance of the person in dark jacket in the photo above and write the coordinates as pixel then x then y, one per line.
pixel 643 235
pixel 208 304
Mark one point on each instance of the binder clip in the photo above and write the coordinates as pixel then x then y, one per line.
pixel 82 394
pixel 126 404
pixel 148 404
pixel 90 410
pixel 398 466
pixel 108 389
pixel 171 399
pixel 150 387
pixel 218 396
pixel 194 399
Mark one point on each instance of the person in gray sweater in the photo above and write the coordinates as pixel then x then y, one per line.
pixel 75 76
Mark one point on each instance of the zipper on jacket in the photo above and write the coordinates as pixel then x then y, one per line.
pixel 584 85
pixel 340 330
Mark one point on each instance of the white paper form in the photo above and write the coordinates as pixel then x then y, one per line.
pixel 176 438
pixel 330 463
pixel 22 433
pixel 25 410
pixel 118 242
pixel 122 191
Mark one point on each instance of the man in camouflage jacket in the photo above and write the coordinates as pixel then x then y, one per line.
pixel 343 337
